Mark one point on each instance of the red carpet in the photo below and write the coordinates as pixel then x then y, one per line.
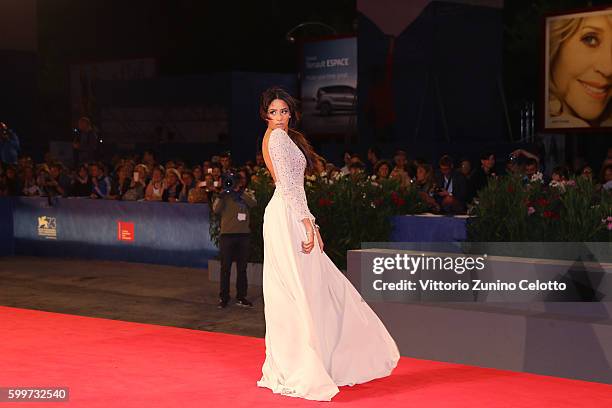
pixel 110 363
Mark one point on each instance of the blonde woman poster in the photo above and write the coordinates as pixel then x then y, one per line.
pixel 578 70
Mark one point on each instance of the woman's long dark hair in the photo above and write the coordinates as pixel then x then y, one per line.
pixel 298 138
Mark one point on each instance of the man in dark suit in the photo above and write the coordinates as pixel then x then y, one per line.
pixel 451 187
pixel 482 175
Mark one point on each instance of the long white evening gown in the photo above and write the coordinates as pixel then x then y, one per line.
pixel 320 333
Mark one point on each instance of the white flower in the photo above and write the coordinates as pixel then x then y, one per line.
pixel 537 177
pixel 558 184
pixel 308 184
pixel 311 178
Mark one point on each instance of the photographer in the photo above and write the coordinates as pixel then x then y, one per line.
pixel 9 145
pixel 232 205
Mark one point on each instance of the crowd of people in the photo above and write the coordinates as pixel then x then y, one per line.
pixel 446 186
pixel 127 178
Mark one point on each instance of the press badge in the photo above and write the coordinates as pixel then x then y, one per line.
pixel 241 216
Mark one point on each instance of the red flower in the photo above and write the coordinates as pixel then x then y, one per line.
pixel 542 202
pixel 394 195
pixel 399 202
pixel 551 215
pixel 529 203
pixel 378 202
pixel 324 202
pixel 510 189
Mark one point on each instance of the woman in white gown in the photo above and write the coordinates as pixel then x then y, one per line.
pixel 320 333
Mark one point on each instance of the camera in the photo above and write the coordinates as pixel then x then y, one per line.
pixel 229 181
pixel 76 134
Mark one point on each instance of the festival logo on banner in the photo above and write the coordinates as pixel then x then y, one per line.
pixel 47 227
pixel 125 231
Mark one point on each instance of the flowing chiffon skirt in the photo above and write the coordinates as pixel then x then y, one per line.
pixel 320 333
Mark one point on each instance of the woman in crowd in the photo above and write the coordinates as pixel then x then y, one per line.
pixel 382 169
pixel 197 174
pixel 586 172
pixel 155 189
pixel 120 184
pixel 320 167
pixel 424 184
pixel 560 174
pixel 401 171
pixel 138 183
pixel 174 184
pixel 188 183
pixel 198 194
pixel 605 177
pixel 402 176
pixel 206 168
pixel 346 160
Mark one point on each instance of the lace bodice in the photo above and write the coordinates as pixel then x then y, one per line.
pixel 289 163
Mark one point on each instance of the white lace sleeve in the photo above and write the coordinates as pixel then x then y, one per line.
pixel 289 164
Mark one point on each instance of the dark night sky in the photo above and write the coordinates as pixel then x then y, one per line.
pixel 187 36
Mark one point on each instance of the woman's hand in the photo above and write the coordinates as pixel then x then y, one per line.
pixel 308 245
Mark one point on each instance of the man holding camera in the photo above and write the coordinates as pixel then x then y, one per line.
pixel 9 145
pixel 232 205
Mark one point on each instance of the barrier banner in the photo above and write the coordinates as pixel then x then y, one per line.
pixel 150 232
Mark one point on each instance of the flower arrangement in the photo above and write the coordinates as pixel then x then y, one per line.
pixel 348 210
pixel 359 209
pixel 512 211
